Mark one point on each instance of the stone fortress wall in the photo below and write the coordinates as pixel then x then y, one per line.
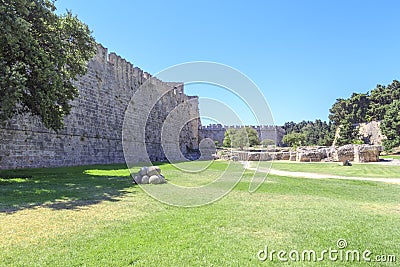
pixel 93 130
pixel 216 132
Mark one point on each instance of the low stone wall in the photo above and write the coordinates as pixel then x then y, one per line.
pixel 366 154
pixel 344 153
pixel 355 153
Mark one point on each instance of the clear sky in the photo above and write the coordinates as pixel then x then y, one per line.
pixel 301 54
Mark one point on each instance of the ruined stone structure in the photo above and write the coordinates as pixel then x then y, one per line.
pixel 371 132
pixel 216 132
pixel 355 153
pixel 92 133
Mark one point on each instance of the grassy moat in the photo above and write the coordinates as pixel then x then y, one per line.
pixel 94 216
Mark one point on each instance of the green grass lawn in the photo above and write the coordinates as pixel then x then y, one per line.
pixel 94 216
pixel 357 170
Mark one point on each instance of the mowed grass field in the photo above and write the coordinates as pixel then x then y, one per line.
pixel 369 170
pixel 94 216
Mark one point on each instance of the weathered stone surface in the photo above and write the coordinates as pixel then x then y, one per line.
pixel 281 155
pixel 137 179
pixel 357 153
pixel 327 152
pixel 344 153
pixel 153 170
pixel 313 155
pixel 284 156
pixel 93 130
pixel 145 179
pixel 143 171
pixel 156 179
pixel 366 153
pixel 149 175
pixel 371 132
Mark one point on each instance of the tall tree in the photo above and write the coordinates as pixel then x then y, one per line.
pixel 347 113
pixel 381 97
pixel 390 126
pixel 348 133
pixel 228 136
pixel 240 138
pixel 316 133
pixel 338 111
pixel 357 107
pixel 252 136
pixel 41 54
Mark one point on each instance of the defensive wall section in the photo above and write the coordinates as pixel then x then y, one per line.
pixel 216 132
pixel 93 130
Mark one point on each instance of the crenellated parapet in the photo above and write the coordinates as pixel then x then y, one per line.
pixel 93 130
pixel 216 132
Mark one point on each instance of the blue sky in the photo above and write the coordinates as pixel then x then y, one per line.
pixel 301 54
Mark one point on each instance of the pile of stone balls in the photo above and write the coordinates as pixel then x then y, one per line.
pixel 149 175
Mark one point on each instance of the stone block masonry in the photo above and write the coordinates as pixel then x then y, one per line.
pixel 93 131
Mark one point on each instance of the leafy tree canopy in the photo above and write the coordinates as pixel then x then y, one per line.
pixel 316 133
pixel 347 113
pixel 41 54
pixel 227 137
pixel 294 139
pixel 241 137
pixel 390 126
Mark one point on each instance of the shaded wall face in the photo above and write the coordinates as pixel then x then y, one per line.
pixel 93 130
pixel 186 134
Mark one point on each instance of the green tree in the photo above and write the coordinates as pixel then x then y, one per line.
pixel 252 136
pixel 294 139
pixel 267 142
pixel 338 111
pixel 227 137
pixel 346 113
pixel 348 133
pixel 352 110
pixel 316 133
pixel 390 126
pixel 381 97
pixel 358 107
pixel 41 55
pixel 240 138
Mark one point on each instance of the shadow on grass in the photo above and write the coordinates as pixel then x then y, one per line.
pixel 62 188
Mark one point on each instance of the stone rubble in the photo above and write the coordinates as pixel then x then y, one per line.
pixel 354 153
pixel 149 175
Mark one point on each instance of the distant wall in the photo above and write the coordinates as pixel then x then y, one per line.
pixel 216 132
pixel 92 132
